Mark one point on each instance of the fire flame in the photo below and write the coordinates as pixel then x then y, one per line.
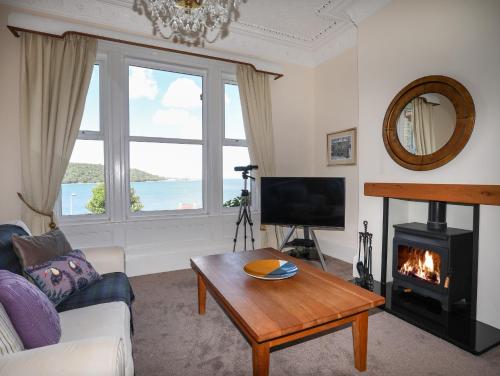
pixel 421 267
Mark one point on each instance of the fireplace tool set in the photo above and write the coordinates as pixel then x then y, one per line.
pixel 364 265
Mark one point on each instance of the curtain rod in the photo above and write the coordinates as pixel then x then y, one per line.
pixel 15 31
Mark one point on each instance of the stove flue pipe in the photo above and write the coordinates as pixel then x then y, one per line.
pixel 436 219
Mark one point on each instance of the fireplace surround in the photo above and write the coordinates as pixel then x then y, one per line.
pixel 450 315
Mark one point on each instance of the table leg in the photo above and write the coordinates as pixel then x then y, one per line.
pixel 202 295
pixel 360 340
pixel 260 359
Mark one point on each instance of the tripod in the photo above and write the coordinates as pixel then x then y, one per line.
pixel 244 214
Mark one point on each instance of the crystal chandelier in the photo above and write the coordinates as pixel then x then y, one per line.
pixel 192 22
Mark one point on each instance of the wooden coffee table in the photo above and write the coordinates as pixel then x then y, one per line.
pixel 272 313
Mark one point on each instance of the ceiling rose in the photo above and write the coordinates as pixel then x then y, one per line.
pixel 192 22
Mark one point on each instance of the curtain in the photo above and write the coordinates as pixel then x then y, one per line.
pixel 255 97
pixel 422 127
pixel 55 77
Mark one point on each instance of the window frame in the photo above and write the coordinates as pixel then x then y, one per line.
pixel 171 68
pixel 114 61
pixel 102 135
pixel 230 79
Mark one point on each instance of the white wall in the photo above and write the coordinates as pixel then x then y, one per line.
pixel 336 108
pixel 293 118
pixel 410 39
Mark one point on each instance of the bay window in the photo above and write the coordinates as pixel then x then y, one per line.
pixel 171 136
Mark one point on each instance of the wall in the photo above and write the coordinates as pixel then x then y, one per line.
pixel 336 108
pixel 10 159
pixel 293 117
pixel 410 39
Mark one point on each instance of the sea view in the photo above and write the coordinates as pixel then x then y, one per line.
pixel 154 195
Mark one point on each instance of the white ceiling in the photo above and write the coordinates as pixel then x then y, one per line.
pixel 305 32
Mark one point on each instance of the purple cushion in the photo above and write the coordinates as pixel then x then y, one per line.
pixel 63 275
pixel 33 315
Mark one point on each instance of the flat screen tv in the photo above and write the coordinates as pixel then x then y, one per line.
pixel 314 202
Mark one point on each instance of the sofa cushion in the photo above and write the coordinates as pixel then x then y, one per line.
pixel 9 340
pixel 35 250
pixel 8 258
pixel 101 320
pixel 64 275
pixel 32 314
pixel 113 287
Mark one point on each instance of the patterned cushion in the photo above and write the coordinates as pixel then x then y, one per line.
pixel 35 250
pixel 8 258
pixel 63 275
pixel 32 314
pixel 9 339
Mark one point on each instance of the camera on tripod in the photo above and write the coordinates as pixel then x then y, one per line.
pixel 246 168
pixel 244 214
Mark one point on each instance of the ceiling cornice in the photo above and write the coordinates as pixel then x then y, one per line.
pixel 326 31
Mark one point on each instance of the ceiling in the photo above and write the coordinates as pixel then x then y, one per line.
pixel 305 32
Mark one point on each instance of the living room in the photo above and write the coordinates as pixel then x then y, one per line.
pixel 330 67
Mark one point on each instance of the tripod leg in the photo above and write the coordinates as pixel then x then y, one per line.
pixel 249 217
pixel 238 221
pixel 245 228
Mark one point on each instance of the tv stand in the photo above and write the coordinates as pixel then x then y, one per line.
pixel 305 242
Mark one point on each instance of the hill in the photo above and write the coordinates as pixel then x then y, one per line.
pixel 94 173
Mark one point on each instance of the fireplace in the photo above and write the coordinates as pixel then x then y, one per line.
pixel 434 261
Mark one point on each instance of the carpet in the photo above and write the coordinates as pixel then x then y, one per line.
pixel 172 339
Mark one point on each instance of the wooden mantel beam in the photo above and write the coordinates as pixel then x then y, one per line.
pixel 456 193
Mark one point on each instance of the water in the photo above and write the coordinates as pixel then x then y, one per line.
pixel 154 195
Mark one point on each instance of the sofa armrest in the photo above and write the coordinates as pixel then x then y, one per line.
pixel 106 259
pixel 103 356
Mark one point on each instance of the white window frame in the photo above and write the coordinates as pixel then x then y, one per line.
pixel 160 66
pixel 238 142
pixel 114 61
pixel 101 135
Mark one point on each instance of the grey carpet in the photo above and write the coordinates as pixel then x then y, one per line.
pixel 172 339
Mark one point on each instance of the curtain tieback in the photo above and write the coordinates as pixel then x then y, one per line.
pixel 52 224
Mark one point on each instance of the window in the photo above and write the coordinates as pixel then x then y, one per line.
pixel 160 137
pixel 83 186
pixel 165 140
pixel 234 149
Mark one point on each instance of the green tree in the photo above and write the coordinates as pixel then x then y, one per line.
pixel 97 203
pixel 233 203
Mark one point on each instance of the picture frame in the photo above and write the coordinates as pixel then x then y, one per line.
pixel 341 147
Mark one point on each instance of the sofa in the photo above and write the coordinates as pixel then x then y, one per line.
pixel 95 338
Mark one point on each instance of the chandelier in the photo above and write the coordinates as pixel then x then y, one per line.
pixel 192 22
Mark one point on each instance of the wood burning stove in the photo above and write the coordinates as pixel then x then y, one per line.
pixel 433 260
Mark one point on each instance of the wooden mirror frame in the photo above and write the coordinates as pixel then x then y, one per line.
pixel 465 115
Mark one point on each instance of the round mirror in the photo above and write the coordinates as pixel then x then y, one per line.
pixel 428 123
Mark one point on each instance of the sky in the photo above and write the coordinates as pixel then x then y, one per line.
pixel 165 104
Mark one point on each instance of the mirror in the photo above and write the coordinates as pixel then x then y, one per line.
pixel 428 123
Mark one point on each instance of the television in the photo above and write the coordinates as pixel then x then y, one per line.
pixel 299 201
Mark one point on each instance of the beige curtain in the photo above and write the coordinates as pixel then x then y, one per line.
pixel 55 77
pixel 255 96
pixel 422 127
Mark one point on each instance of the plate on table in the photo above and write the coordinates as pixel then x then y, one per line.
pixel 270 269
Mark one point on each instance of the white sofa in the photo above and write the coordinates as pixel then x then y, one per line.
pixel 95 340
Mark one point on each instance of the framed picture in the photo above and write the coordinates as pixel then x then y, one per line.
pixel 341 147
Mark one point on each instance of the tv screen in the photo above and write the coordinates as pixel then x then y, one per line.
pixel 315 202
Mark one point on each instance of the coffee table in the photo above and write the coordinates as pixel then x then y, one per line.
pixel 273 313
